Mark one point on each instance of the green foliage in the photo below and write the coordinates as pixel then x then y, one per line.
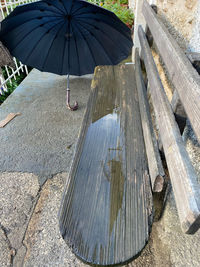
pixel 121 10
pixel 124 2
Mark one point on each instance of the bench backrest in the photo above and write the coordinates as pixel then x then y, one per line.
pixel 187 83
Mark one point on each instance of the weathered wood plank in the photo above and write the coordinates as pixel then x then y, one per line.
pixel 182 174
pixel 5 57
pixel 194 58
pixel 184 77
pixel 148 32
pixel 154 161
pixel 106 208
pixel 179 111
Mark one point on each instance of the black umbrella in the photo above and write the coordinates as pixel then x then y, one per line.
pixel 65 37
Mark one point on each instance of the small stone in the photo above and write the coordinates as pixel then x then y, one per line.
pixel 69 146
pixel 12 252
pixel 171 1
pixel 190 4
pixel 190 21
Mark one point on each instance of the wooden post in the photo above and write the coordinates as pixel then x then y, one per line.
pixel 139 20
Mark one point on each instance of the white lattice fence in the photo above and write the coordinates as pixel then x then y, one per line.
pixel 6 7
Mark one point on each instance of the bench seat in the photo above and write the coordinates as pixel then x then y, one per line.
pixel 106 211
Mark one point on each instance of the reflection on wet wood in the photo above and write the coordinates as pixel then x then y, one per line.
pixel 105 214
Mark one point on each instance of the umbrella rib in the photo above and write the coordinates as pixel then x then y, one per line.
pixel 86 4
pixel 29 21
pixel 123 32
pixel 76 49
pixel 72 4
pixel 56 7
pixel 99 43
pixel 63 56
pixel 107 36
pixel 38 9
pixel 77 10
pixel 32 31
pixel 64 8
pixel 99 13
pixel 95 7
pixel 38 42
pixel 51 46
pixel 88 46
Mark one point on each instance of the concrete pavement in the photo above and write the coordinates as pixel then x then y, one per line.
pixel 36 153
pixel 42 139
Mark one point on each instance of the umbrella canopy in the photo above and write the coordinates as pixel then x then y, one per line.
pixel 65 36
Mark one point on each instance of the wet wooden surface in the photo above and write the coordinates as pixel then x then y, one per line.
pixel 106 211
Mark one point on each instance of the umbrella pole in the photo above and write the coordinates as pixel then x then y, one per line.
pixel 75 107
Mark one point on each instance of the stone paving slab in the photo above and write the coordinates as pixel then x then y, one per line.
pixel 18 193
pixel 45 246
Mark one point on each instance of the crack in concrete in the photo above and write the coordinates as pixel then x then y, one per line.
pixel 12 250
pixel 35 202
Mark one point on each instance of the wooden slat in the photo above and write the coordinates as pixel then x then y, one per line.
pixel 148 32
pixel 179 111
pixel 184 77
pixel 154 161
pixel 194 58
pixel 182 174
pixel 106 208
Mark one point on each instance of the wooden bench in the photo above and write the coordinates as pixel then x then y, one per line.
pixel 117 181
pixel 106 213
pixel 187 84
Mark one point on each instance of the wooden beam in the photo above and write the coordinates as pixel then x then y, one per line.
pixel 154 161
pixel 157 174
pixel 179 111
pixel 148 32
pixel 194 58
pixel 184 77
pixel 182 174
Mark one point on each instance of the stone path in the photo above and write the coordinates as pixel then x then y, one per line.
pixel 36 152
